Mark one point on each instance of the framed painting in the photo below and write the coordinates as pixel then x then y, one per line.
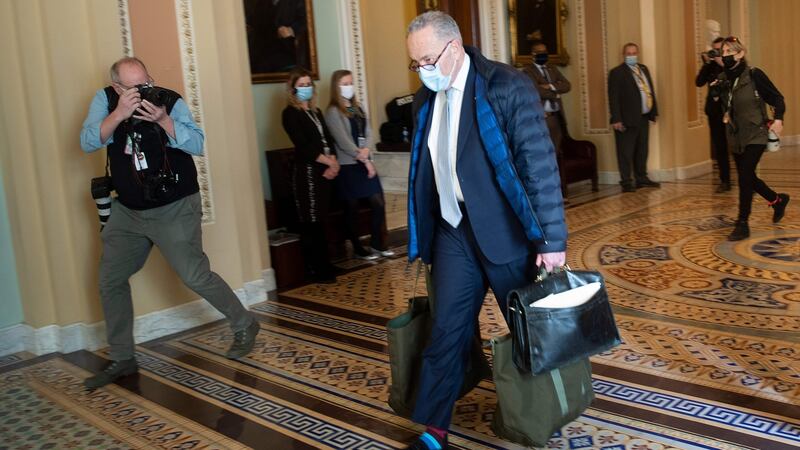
pixel 537 20
pixel 280 37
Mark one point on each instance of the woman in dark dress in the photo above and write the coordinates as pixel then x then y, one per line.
pixel 315 167
pixel 357 178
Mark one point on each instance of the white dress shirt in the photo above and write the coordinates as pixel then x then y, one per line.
pixel 455 96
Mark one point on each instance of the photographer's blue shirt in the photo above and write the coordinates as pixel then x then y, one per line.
pixel 188 136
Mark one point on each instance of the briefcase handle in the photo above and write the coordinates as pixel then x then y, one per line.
pixel 543 273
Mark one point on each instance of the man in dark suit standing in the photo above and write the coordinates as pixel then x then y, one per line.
pixel 632 100
pixel 484 199
pixel 551 84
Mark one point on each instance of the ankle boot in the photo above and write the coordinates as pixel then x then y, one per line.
pixel 779 207
pixel 741 231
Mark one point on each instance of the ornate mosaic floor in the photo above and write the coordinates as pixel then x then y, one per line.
pixel 710 358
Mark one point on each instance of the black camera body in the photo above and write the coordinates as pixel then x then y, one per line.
pixel 713 53
pixel 155 94
pixel 160 186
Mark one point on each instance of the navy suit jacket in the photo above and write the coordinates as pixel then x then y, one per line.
pixel 498 231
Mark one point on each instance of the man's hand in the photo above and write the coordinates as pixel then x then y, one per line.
pixel 619 126
pixel 128 103
pixel 551 260
pixel 156 114
pixel 150 112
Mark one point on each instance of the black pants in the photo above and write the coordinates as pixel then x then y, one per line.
pixel 632 148
pixel 719 146
pixel 749 182
pixel 377 215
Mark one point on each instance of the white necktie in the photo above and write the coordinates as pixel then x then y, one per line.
pixel 448 202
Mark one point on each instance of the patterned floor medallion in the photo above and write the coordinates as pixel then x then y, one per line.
pixel 672 259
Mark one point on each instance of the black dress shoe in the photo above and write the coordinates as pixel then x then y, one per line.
pixel 723 187
pixel 647 183
pixel 780 207
pixel 113 371
pixel 741 231
pixel 628 189
pixel 243 341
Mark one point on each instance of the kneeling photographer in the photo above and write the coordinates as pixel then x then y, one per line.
pixel 150 137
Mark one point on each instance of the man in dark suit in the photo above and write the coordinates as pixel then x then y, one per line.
pixel 551 84
pixel 632 100
pixel 484 199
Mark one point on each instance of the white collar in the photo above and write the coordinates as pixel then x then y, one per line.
pixel 461 79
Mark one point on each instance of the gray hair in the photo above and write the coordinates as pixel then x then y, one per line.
pixel 444 26
pixel 114 71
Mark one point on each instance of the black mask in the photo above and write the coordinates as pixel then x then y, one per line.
pixel 540 58
pixel 729 61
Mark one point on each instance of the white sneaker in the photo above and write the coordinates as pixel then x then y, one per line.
pixel 368 256
pixel 385 253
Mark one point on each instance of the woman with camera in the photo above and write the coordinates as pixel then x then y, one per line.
pixel 745 92
pixel 315 166
pixel 357 178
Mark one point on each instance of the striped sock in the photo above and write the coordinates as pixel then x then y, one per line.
pixel 433 442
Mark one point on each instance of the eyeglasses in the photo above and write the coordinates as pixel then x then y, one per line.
pixel 415 66
pixel 150 83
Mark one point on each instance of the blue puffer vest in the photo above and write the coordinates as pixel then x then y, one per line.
pixel 513 132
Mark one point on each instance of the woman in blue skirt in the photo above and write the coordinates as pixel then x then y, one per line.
pixel 357 176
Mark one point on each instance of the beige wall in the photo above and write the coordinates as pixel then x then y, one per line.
pixel 678 140
pixel 777 53
pixel 56 54
pixel 384 26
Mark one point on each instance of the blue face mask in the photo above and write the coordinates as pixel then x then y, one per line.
pixel 631 60
pixel 304 93
pixel 433 79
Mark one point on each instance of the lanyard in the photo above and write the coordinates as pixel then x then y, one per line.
pixel 313 116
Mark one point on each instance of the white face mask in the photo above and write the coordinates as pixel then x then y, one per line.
pixel 347 91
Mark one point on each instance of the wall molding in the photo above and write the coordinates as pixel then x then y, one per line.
pixel 125 27
pixel 699 46
pixel 193 99
pixel 494 31
pixel 82 336
pixel 351 47
pixel 673 174
pixel 580 17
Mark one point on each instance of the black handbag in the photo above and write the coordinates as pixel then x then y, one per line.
pixel 550 338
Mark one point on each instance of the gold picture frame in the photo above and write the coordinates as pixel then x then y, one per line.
pixel 280 36
pixel 543 20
